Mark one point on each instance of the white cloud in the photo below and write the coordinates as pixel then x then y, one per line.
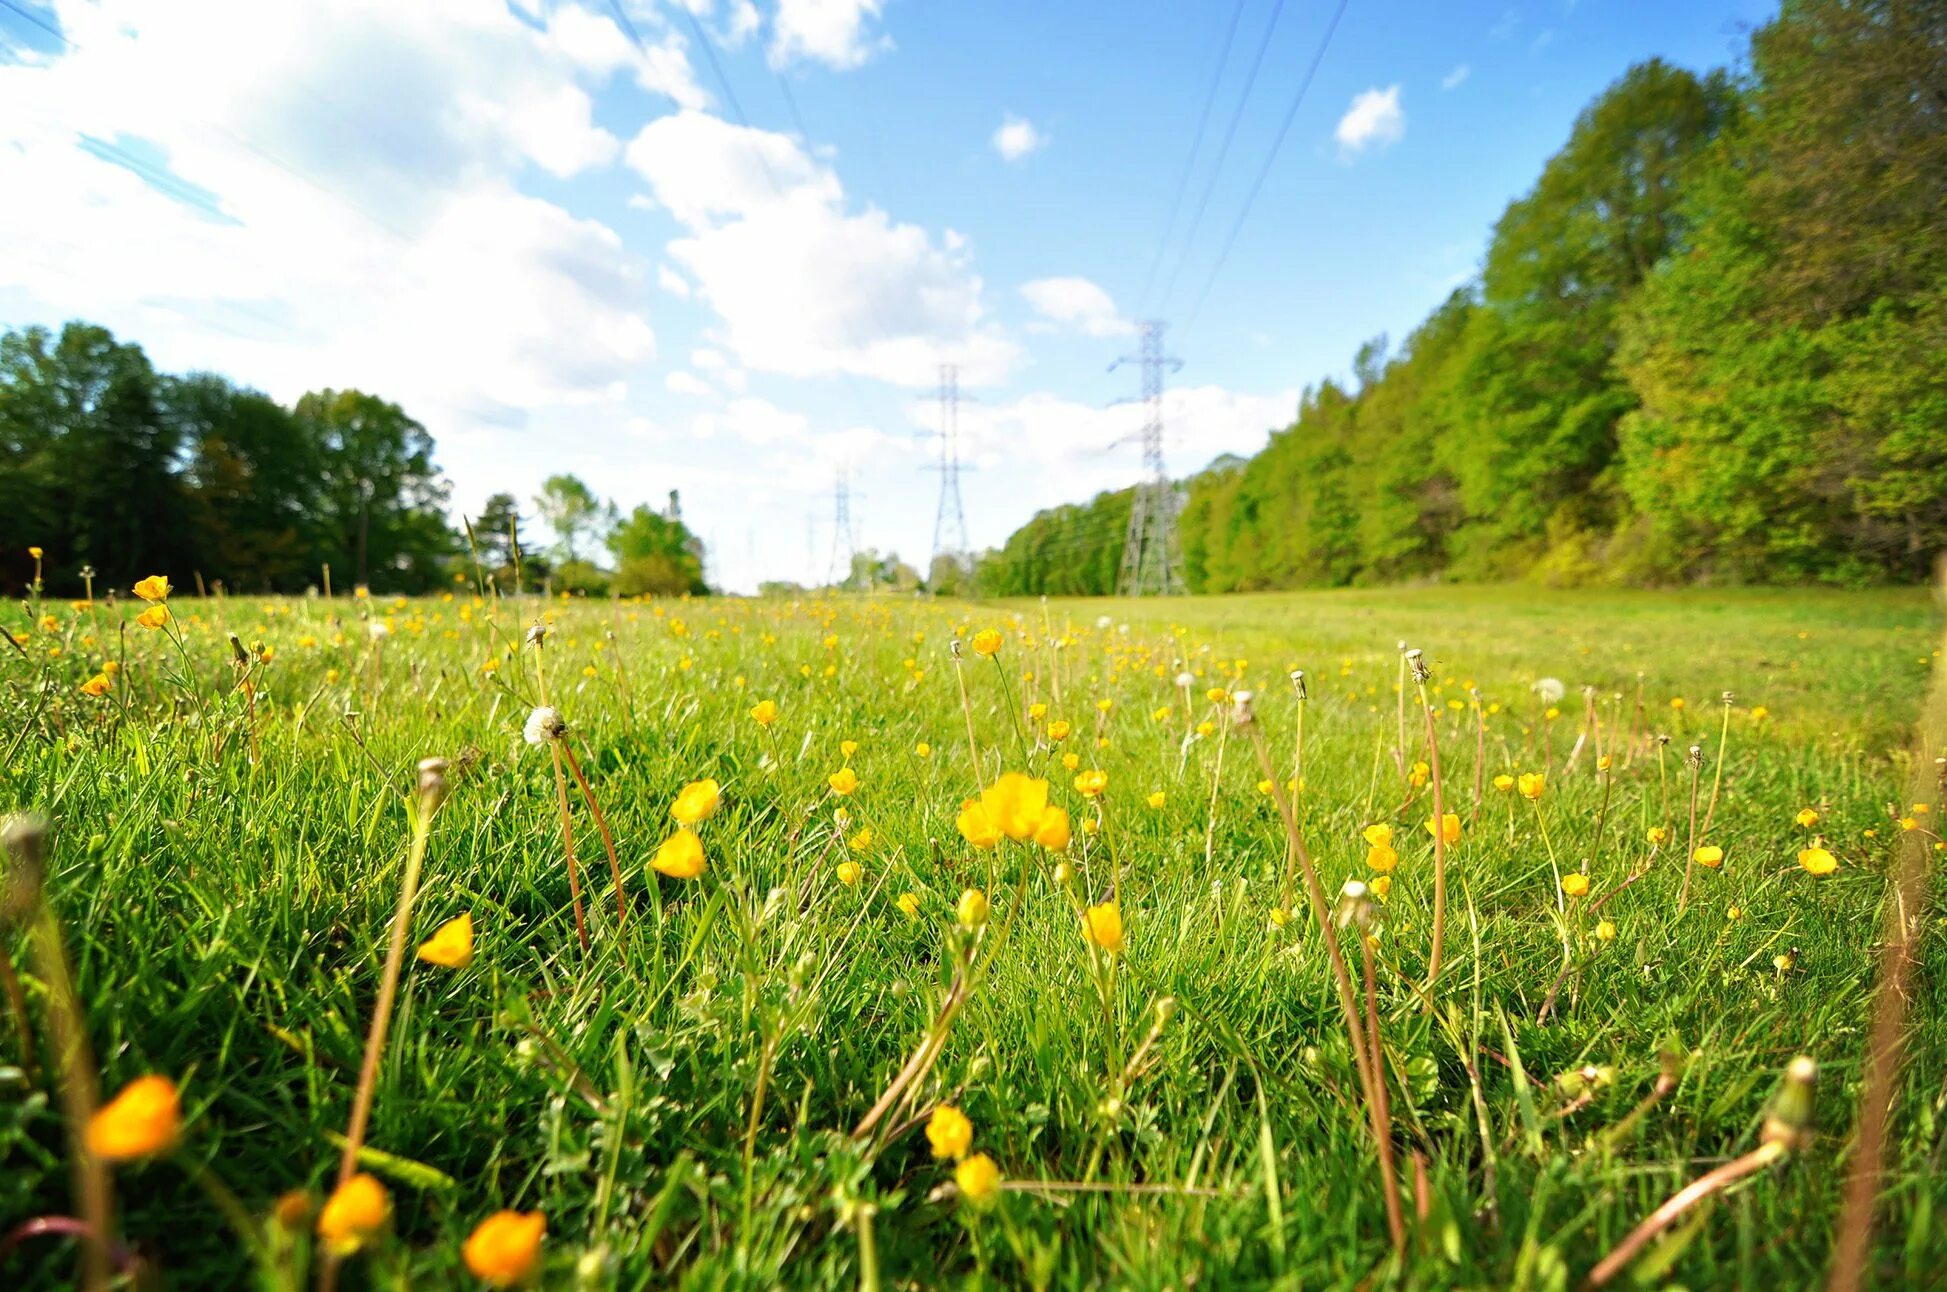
pixel 672 282
pixel 1016 138
pixel 832 32
pixel 1375 118
pixel 1453 80
pixel 804 285
pixel 680 382
pixel 363 157
pixel 1076 303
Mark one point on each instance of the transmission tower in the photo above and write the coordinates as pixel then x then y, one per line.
pixel 1151 563
pixel 950 523
pixel 841 529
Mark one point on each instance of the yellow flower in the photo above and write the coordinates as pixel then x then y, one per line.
pixel 1381 857
pixel 1016 803
pixel 1449 827
pixel 1071 761
pixel 1377 834
pixel 1059 729
pixel 987 642
pixel 909 903
pixel 1807 817
pixel 1575 884
pixel 1156 800
pixel 1817 860
pixel 972 910
pixel 1677 704
pixel 1605 932
pixel 34 552
pixel 1909 823
pixel 1105 704
pixel 1531 785
pixel 843 781
pixel 1053 831
pixel 848 873
pixel 846 748
pixel 1102 925
pixel 922 750
pixel 153 588
pixel 505 1248
pixel 949 1132
pixel 1420 773
pixel 680 856
pixel 144 1119
pixel 1708 854
pixel 1090 784
pixel 1265 787
pixel 97 685
pixel 1759 713
pixel 1504 782
pixel 1280 917
pixel 1657 834
pixel 451 945
pixel 977 825
pixel 979 1179
pixel 1037 711
pixel 764 712
pixel 154 617
pixel 1381 886
pixel 698 802
pixel 353 1213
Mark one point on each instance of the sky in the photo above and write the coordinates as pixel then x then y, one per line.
pixel 725 246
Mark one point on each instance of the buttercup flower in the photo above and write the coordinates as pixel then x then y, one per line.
pixel 154 617
pixel 1531 785
pixel 843 781
pixel 505 1249
pixel 1504 782
pixel 698 802
pixel 1090 784
pixel 979 1180
pixel 1605 931
pixel 973 908
pixel 1708 854
pixel 1102 926
pixel 451 945
pixel 353 1213
pixel 1053 832
pixel 764 712
pixel 680 856
pixel 909 903
pixel 97 685
pixel 977 825
pixel 1807 817
pixel 1156 799
pixel 1449 827
pixel 1817 860
pixel 141 1121
pixel 848 873
pixel 1575 884
pixel 1059 729
pixel 1657 834
pixel 987 642
pixel 949 1132
pixel 153 588
pixel 1016 803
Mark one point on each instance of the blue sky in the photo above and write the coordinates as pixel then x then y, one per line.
pixel 555 242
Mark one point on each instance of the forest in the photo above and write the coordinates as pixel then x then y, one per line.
pixel 1709 345
pixel 110 471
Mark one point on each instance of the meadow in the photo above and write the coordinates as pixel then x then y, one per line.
pixel 883 943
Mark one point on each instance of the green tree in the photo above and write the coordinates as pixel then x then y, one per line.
pixel 655 555
pixel 571 509
pixel 380 498
pixel 251 479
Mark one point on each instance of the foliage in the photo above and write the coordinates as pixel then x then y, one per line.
pixel 1711 343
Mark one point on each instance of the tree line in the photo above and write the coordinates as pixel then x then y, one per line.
pixel 1710 344
pixel 114 471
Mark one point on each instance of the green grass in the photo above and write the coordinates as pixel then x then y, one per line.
pixel 228 922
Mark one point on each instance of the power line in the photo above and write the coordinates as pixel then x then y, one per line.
pixel 1264 171
pixel 1189 162
pixel 1223 152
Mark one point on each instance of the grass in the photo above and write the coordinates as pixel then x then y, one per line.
pixel 680 1099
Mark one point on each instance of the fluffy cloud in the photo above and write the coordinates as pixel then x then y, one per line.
pixel 1076 303
pixel 832 32
pixel 1453 80
pixel 353 215
pixel 805 285
pixel 1374 119
pixel 1016 138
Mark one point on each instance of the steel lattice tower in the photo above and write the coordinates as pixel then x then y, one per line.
pixel 1151 562
pixel 841 530
pixel 950 523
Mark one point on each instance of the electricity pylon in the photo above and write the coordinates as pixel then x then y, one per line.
pixel 1151 562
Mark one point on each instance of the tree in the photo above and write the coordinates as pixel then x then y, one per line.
pixel 572 510
pixel 251 479
pixel 380 499
pixel 656 555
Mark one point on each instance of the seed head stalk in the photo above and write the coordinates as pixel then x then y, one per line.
pixel 1723 748
pixel 539 637
pixel 1341 976
pixel 1696 761
pixel 1435 956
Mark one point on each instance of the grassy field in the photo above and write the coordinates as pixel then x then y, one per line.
pixel 737 1082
